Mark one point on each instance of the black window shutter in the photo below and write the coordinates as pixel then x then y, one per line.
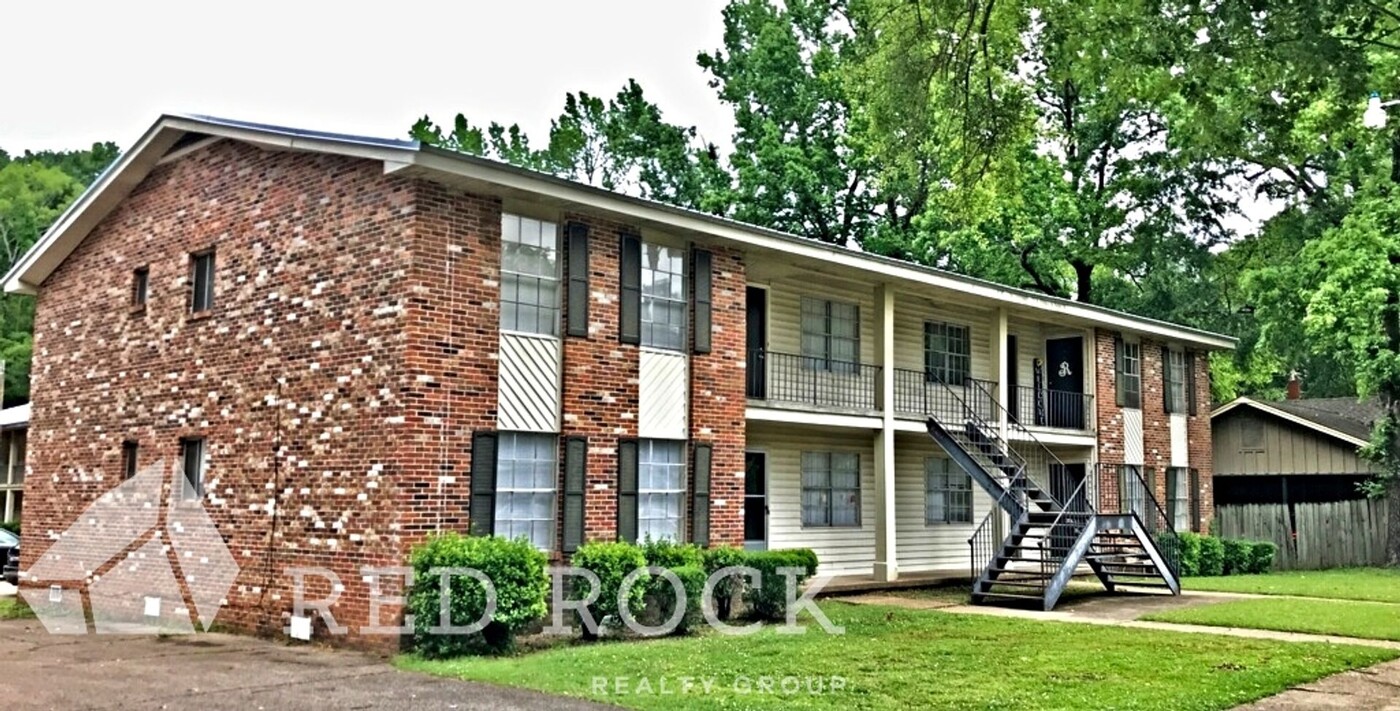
pixel 575 484
pixel 1190 382
pixel 578 279
pixel 630 298
pixel 704 311
pixel 627 491
pixel 1193 494
pixel 1166 378
pixel 483 506
pixel 1118 370
pixel 700 496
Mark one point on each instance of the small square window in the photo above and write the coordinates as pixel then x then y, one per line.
pixel 140 282
pixel 192 457
pixel 202 277
pixel 130 452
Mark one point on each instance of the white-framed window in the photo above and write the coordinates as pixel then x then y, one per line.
pixel 830 489
pixel 526 463
pixel 947 352
pixel 1129 375
pixel 529 275
pixel 660 488
pixel 947 492
pixel 1179 498
pixel 12 475
pixel 192 457
pixel 202 281
pixel 830 335
pixel 1176 381
pixel 663 297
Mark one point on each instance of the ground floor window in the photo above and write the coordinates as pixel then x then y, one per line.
pixel 525 472
pixel 660 489
pixel 1179 498
pixel 830 489
pixel 947 492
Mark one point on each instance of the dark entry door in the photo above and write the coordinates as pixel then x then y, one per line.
pixel 757 337
pixel 1065 377
pixel 1065 480
pixel 755 501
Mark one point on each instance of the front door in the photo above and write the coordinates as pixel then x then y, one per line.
pixel 1064 403
pixel 1065 481
pixel 755 501
pixel 757 337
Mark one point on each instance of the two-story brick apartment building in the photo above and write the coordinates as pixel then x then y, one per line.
pixel 351 343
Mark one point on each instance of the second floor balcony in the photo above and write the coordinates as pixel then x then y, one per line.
pixel 823 383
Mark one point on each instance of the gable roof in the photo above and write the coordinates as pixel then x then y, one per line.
pixel 1344 418
pixel 172 136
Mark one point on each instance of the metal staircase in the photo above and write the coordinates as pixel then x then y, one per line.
pixel 1052 533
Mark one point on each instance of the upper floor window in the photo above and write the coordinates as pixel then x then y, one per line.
pixel 130 454
pixel 529 275
pixel 202 277
pixel 830 335
pixel 663 297
pixel 192 459
pixel 660 489
pixel 947 353
pixel 525 474
pixel 947 492
pixel 830 489
pixel 1128 374
pixel 1175 365
pixel 140 283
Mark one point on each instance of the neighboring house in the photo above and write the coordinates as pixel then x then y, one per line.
pixel 1291 451
pixel 386 340
pixel 14 426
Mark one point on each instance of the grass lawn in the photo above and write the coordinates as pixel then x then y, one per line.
pixel 1346 618
pixel 1375 584
pixel 12 608
pixel 896 658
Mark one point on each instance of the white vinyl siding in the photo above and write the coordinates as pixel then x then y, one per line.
pixel 913 313
pixel 660 489
pixel 785 312
pixel 841 551
pixel 663 297
pixel 920 546
pixel 526 467
pixel 529 276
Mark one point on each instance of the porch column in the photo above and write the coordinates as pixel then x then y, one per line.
pixel 1002 359
pixel 886 561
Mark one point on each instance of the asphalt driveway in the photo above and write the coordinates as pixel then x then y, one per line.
pixel 217 671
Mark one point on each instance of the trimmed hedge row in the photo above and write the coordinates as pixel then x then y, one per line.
pixel 11 526
pixel 1208 555
pixel 517 570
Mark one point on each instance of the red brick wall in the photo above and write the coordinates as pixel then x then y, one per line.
pixel 599 398
pixel 1110 419
pixel 295 377
pixel 718 397
pixel 1156 423
pixel 1198 442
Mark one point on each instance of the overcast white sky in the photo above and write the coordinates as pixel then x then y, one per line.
pixel 79 72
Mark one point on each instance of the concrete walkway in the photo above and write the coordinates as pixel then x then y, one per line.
pixel 1376 688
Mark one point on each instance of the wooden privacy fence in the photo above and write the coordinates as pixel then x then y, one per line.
pixel 1331 535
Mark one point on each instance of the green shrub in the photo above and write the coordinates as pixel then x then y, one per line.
pixel 669 554
pixel 1238 557
pixel 1212 560
pixel 1261 557
pixel 726 588
pixel 768 599
pixel 516 569
pixel 1190 553
pixel 11 526
pixel 663 596
pixel 611 562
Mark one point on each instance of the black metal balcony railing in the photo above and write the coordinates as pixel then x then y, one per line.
pixel 1056 409
pixel 811 380
pixel 918 393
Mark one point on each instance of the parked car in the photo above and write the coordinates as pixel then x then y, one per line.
pixel 9 557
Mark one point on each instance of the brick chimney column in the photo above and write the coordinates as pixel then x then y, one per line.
pixel 1295 385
